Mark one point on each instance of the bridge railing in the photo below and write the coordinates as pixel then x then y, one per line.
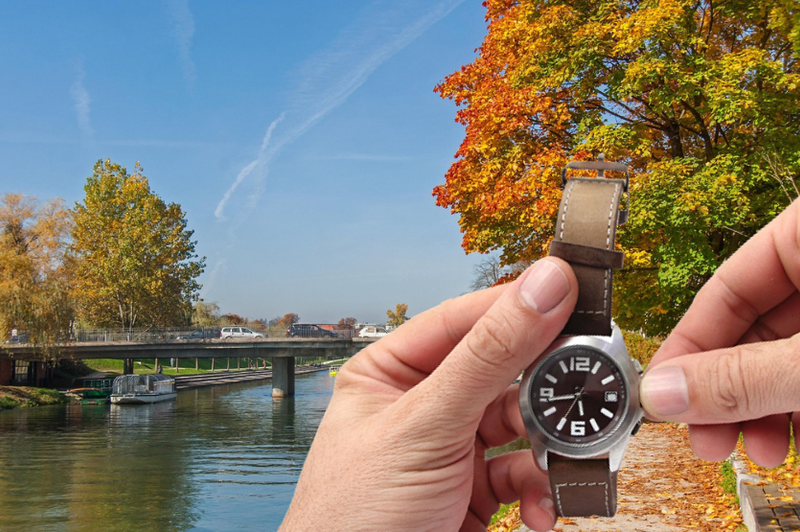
pixel 169 334
pixel 149 335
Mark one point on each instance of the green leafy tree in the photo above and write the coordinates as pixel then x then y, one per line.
pixel 136 264
pixel 701 99
pixel 205 313
pixel 35 272
pixel 398 317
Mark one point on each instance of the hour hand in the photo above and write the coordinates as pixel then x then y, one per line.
pixel 563 397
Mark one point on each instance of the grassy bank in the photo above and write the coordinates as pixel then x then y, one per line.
pixel 20 396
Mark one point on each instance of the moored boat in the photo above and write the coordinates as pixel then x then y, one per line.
pixel 142 389
pixel 94 388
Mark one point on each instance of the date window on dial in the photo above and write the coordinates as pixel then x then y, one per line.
pixel 611 397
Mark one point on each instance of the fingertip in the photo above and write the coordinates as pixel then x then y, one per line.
pixel 714 443
pixel 541 516
pixel 766 440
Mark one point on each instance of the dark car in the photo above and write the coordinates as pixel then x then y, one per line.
pixel 19 338
pixel 200 334
pixel 308 330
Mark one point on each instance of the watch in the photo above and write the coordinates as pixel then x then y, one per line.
pixel 580 399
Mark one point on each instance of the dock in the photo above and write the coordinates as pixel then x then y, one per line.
pixel 187 382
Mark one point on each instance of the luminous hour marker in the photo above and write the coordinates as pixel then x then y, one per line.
pixel 549 411
pixel 607 413
pixel 561 423
pixel 564 367
pixel 595 368
pixel 607 380
pixel 594 425
pixel 551 378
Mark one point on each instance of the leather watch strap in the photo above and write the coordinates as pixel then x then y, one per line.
pixel 582 488
pixel 585 237
pixel 585 234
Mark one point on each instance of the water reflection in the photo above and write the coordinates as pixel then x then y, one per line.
pixel 217 459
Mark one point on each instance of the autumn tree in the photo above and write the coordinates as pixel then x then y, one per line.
pixel 289 319
pixel 346 324
pixel 34 268
pixel 700 99
pixel 136 264
pixel 398 317
pixel 233 319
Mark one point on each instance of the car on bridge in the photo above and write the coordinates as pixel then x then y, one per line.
pixel 201 334
pixel 18 337
pixel 372 331
pixel 239 332
pixel 309 330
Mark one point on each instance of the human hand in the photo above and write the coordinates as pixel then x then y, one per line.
pixel 402 444
pixel 732 364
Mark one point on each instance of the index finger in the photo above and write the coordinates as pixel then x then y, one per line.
pixel 762 274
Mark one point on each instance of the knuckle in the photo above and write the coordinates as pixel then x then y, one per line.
pixel 492 340
pixel 727 383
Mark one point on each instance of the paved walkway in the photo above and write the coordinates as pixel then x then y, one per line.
pixel 664 488
pixel 766 507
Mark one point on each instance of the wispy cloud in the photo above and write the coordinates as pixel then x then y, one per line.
pixel 330 77
pixel 184 34
pixel 264 155
pixel 81 102
pixel 372 157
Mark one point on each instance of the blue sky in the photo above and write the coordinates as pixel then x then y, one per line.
pixel 302 142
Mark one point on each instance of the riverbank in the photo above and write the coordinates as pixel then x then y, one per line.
pixel 23 396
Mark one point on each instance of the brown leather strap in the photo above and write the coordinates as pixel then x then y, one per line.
pixel 588 217
pixel 582 488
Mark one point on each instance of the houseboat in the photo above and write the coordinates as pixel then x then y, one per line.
pixel 94 388
pixel 141 389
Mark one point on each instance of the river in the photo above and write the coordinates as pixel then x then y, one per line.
pixel 223 458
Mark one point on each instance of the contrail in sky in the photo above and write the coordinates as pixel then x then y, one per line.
pixel 184 33
pixel 330 77
pixel 82 102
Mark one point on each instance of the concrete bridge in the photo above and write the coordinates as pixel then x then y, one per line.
pixel 282 352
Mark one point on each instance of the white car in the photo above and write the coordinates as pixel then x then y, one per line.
pixel 372 331
pixel 239 332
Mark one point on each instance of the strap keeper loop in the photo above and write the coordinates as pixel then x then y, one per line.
pixel 587 255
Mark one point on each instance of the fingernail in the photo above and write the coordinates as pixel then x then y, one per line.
pixel 547 505
pixel 663 391
pixel 544 287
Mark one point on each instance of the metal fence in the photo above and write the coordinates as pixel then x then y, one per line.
pixel 170 334
pixel 149 335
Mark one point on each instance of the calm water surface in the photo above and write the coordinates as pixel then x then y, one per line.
pixel 222 459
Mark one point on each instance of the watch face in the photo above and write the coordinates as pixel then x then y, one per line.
pixel 578 395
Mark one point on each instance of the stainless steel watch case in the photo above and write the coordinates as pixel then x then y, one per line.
pixel 613 444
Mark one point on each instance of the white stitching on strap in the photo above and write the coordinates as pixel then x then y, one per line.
pixel 582 485
pixel 566 206
pixel 610 226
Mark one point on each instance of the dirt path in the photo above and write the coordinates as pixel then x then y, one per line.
pixel 664 488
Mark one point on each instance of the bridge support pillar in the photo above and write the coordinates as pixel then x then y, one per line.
pixel 127 366
pixel 282 377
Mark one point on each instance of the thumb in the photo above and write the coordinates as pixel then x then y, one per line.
pixel 740 383
pixel 505 340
